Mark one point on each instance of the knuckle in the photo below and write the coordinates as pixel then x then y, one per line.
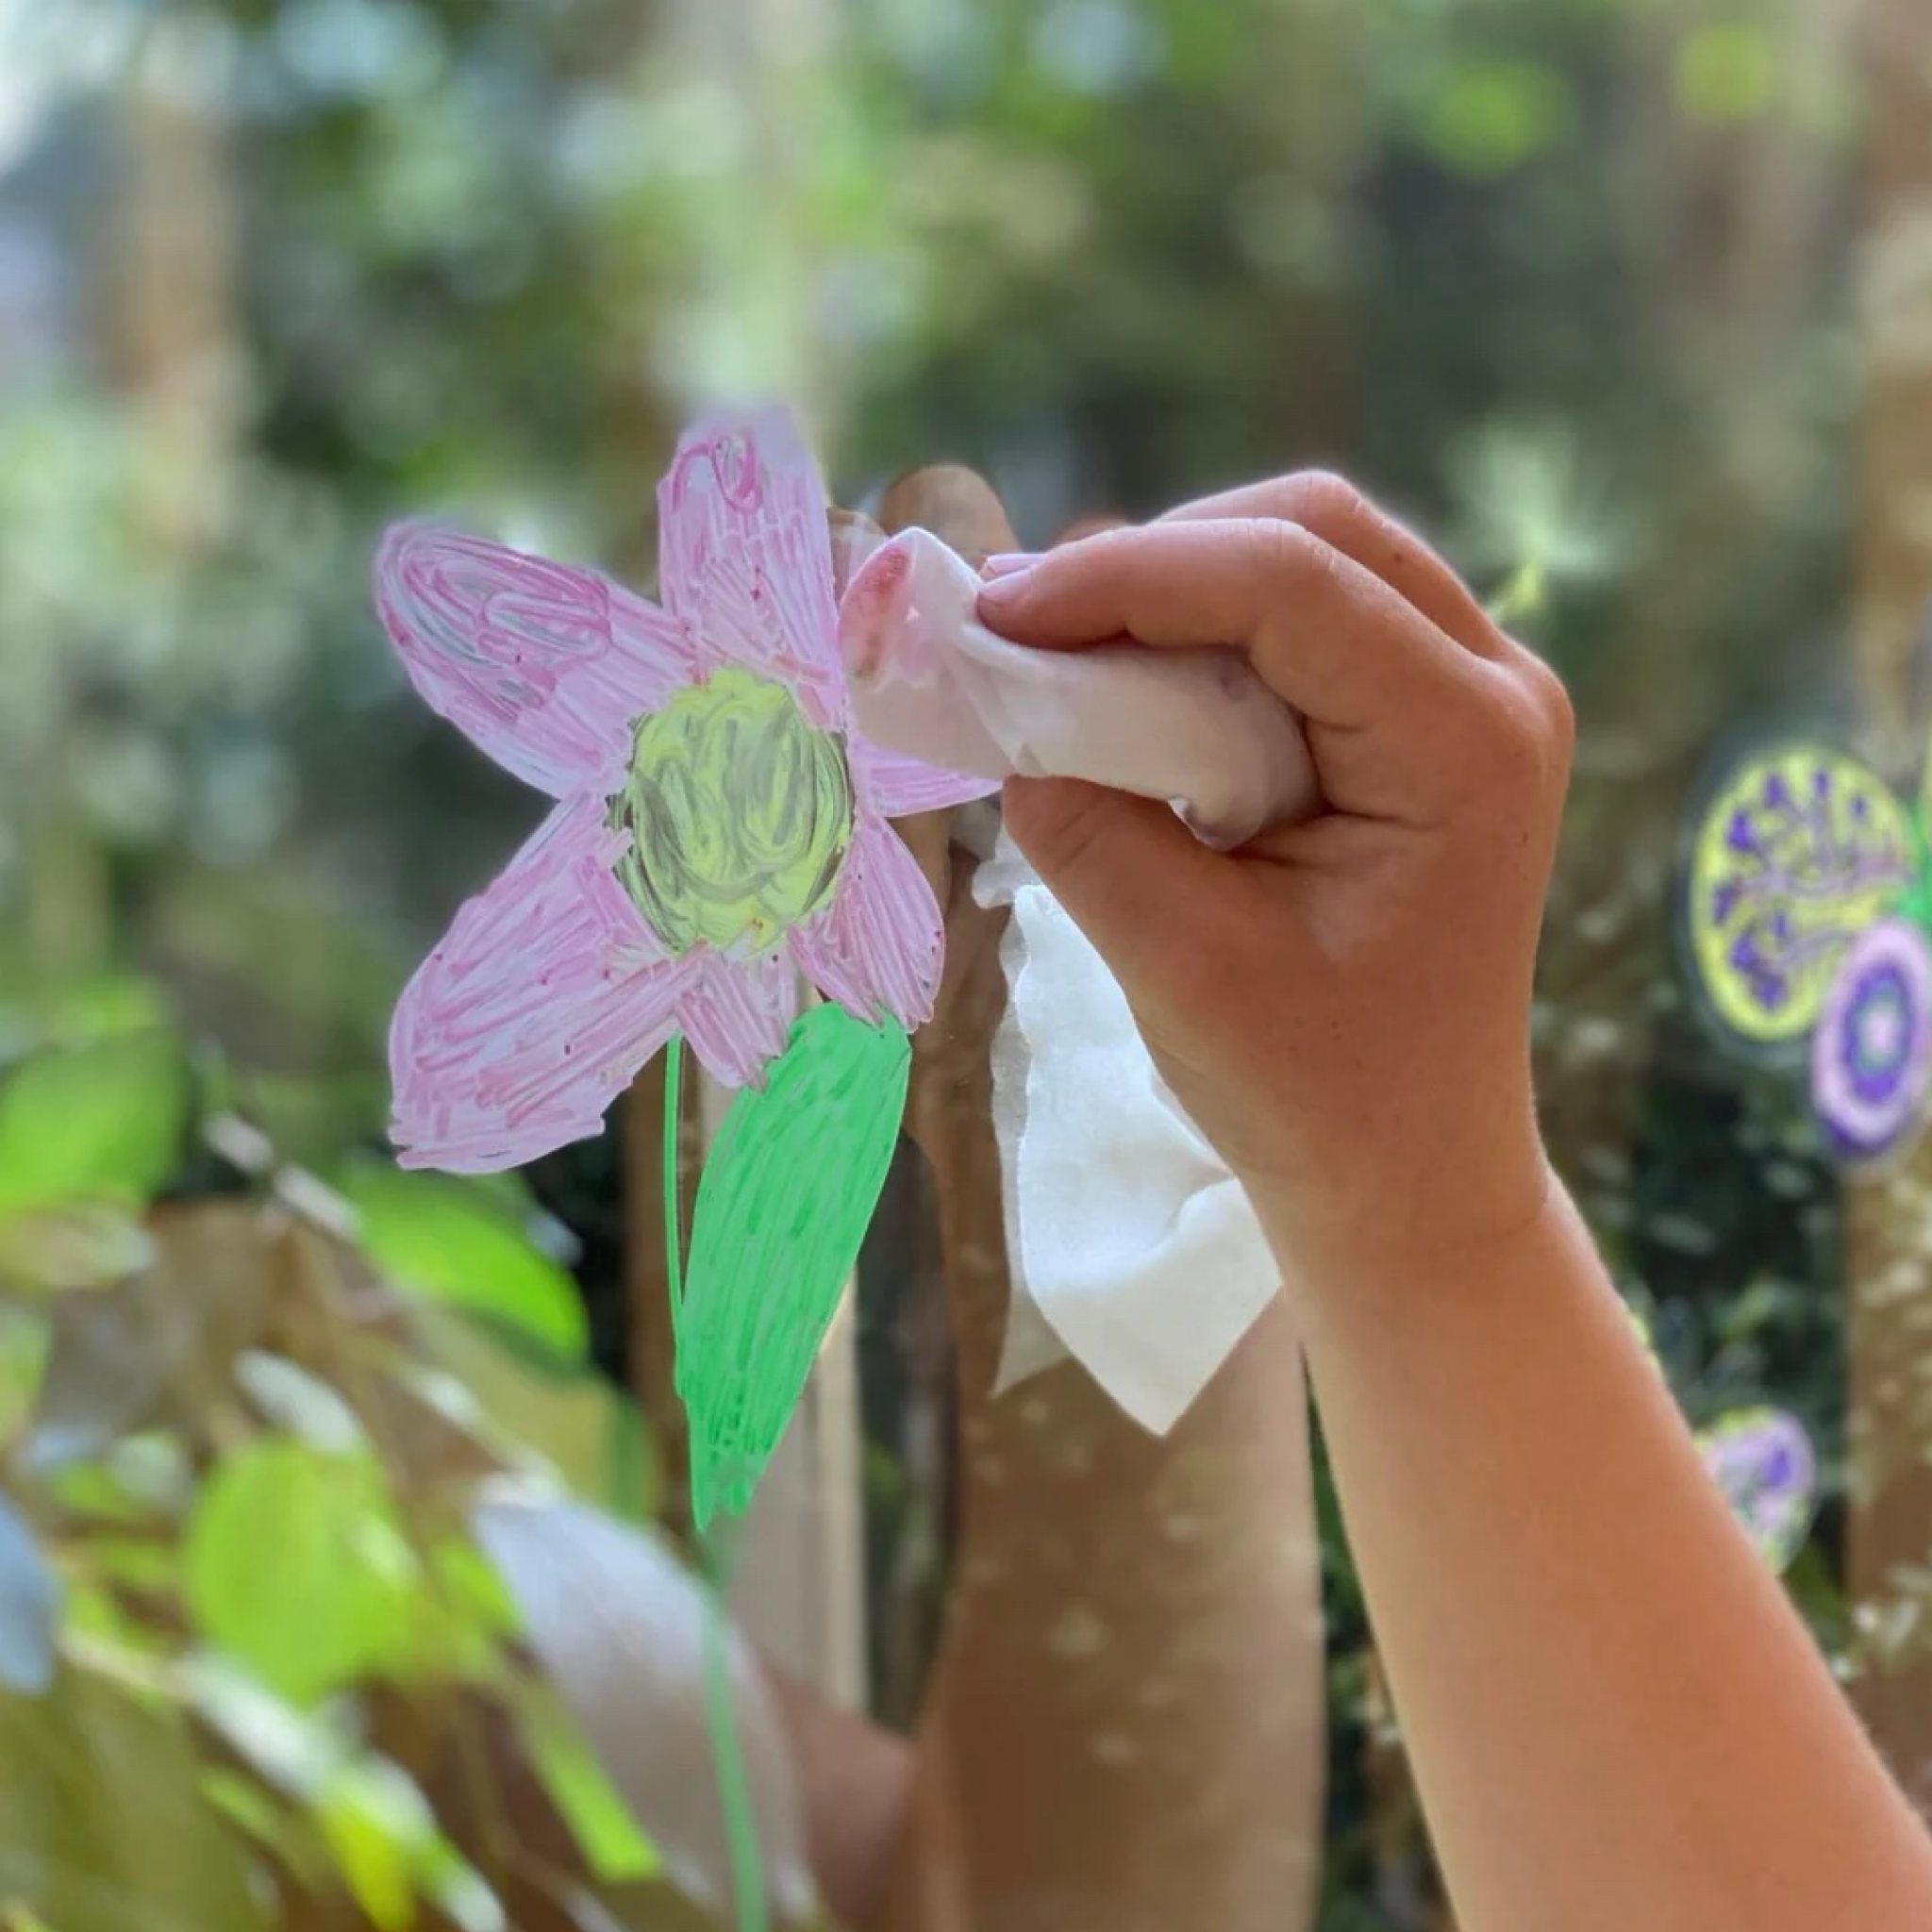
pixel 1326 495
pixel 1551 697
pixel 1276 553
pixel 1530 731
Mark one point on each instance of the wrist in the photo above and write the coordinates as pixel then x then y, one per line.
pixel 1463 1219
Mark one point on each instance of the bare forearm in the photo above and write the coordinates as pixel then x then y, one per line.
pixel 1614 1717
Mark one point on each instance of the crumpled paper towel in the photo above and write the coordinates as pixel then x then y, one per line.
pixel 1125 1231
pixel 1131 1245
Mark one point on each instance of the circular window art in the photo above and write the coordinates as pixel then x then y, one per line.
pixel 1871 1047
pixel 1801 851
pixel 1763 1461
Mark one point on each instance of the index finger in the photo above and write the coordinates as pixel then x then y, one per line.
pixel 1329 636
pixel 1338 512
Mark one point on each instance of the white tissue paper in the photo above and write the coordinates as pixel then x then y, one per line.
pixel 1131 1245
pixel 1125 1230
pixel 1197 728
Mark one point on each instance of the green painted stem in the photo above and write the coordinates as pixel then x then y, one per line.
pixel 727 1760
pixel 673 1261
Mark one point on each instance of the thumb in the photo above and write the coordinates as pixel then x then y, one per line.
pixel 1119 864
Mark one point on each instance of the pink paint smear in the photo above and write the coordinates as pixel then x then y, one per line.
pixel 550 990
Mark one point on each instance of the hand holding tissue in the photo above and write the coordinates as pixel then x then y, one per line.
pixel 1125 1230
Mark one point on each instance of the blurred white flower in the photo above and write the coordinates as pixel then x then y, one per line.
pixel 1529 508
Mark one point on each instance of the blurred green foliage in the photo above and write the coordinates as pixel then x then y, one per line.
pixel 255 1666
pixel 1566 278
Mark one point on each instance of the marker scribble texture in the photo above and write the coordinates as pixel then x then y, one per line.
pixel 720 828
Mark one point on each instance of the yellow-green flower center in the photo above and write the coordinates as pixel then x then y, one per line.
pixel 739 812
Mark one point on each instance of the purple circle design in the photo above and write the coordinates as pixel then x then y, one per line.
pixel 1871 1047
pixel 1763 1461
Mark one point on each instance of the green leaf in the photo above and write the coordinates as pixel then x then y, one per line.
pixel 466 1578
pixel 304 1405
pixel 266 1816
pixel 296 1751
pixel 135 1563
pixel 373 1831
pixel 580 1429
pixel 106 1828
pixel 442 1238
pixel 29 1604
pixel 614 1850
pixel 377 1827
pixel 160 1346
pixel 458 1626
pixel 783 1204
pixel 296 1566
pixel 1726 70
pixel 1488 116
pixel 92 1123
pixel 80 1245
pixel 91 1612
pixel 25 1339
pixel 384 1838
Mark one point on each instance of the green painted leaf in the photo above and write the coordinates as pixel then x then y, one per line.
pixel 296 1566
pixel 783 1204
pixel 101 1122
pixel 443 1237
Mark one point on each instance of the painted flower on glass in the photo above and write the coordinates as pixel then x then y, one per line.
pixel 1872 1048
pixel 1799 852
pixel 1763 1461
pixel 719 828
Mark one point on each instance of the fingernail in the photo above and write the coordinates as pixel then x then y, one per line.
pixel 1005 592
pixel 1006 563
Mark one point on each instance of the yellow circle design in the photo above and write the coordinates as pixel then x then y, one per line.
pixel 1798 854
pixel 740 813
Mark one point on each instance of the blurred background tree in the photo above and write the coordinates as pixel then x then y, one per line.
pixel 1570 280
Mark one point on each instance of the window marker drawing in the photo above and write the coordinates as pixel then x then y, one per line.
pixel 720 827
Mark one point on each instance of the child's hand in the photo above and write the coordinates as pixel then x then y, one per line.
pixel 1342 1006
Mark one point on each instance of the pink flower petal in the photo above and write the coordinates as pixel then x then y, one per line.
pixel 879 942
pixel 738 1016
pixel 745 559
pixel 545 667
pixel 895 785
pixel 536 1009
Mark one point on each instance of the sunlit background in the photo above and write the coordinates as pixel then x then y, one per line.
pixel 1628 303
